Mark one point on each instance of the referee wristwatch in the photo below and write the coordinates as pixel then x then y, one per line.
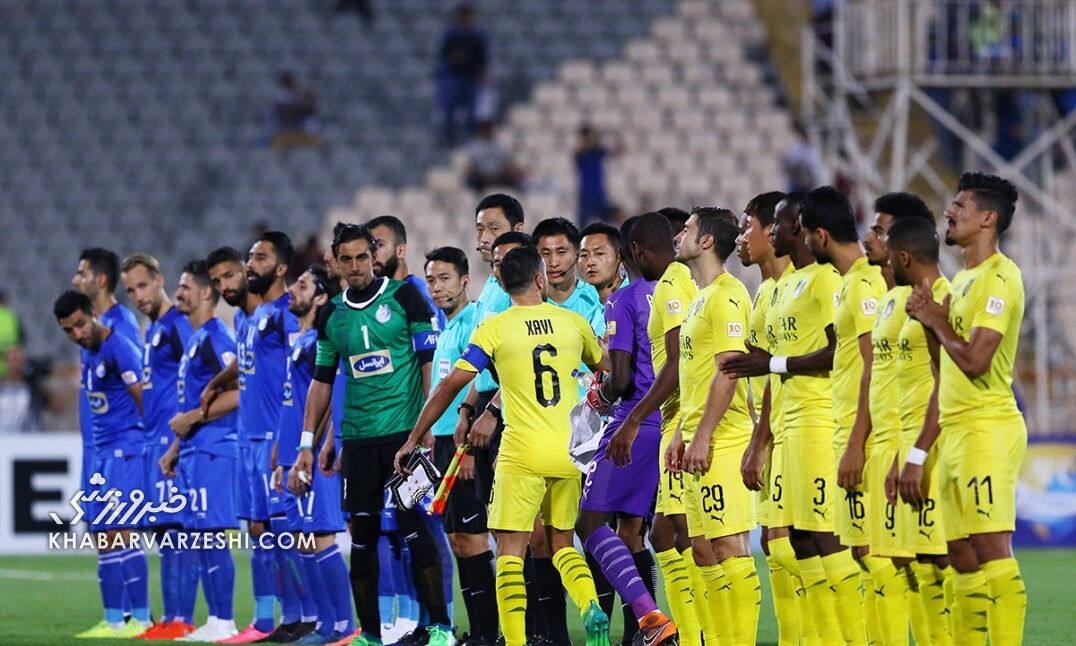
pixel 494 410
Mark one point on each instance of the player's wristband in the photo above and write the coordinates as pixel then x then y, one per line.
pixel 463 405
pixel 779 365
pixel 916 456
pixel 306 440
pixel 494 410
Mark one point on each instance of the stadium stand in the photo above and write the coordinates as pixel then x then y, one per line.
pixel 137 125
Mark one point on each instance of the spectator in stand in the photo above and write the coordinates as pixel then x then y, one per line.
pixel 590 156
pixel 461 70
pixel 20 406
pixel 802 164
pixel 293 118
pixel 306 256
pixel 489 163
pixel 10 331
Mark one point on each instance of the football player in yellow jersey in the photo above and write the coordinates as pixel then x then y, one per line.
pixel 983 435
pixel 764 451
pixel 715 426
pixel 536 348
pixel 652 249
pixel 912 245
pixel 800 354
pixel 888 556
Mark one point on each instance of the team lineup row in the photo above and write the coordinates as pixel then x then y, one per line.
pixel 859 408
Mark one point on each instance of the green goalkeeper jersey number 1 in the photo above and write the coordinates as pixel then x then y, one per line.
pixel 382 336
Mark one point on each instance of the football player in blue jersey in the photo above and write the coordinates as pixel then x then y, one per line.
pixel 165 339
pixel 110 368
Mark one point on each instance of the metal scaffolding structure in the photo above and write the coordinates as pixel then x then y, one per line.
pixel 954 61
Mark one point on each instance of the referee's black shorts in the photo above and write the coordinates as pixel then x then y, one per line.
pixel 484 458
pixel 464 512
pixel 366 466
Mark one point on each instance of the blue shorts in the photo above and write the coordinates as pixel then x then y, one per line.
pixel 318 512
pixel 213 500
pixel 124 474
pixel 629 489
pixel 254 480
pixel 159 488
pixel 184 479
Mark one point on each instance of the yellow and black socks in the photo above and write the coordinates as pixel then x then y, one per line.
pixel 679 593
pixel 512 600
pixel 718 605
pixel 917 615
pixel 1008 598
pixel 576 577
pixel 744 597
pixel 781 550
pixel 935 602
pixel 702 605
pixel 820 600
pixel 889 586
pixel 843 575
pixel 971 603
pixel 783 590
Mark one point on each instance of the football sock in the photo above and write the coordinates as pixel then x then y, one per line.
pixel 188 572
pixel 648 571
pixel 617 566
pixel 820 600
pixel 220 569
pixel 576 578
pixel 1008 598
pixel 917 615
pixel 386 584
pixel 169 579
pixel 680 597
pixel 444 551
pixel 551 590
pixel 335 579
pixel 971 603
pixel 890 594
pixel 932 582
pixel 512 600
pixel 483 593
pixel 261 574
pixel 325 611
pixel 606 592
pixel 365 531
pixel 702 605
pixel 843 574
pixel 110 578
pixel 136 582
pixel 784 602
pixel 717 590
pixel 744 597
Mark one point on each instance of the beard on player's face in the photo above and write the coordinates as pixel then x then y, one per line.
pixel 388 268
pixel 235 297
pixel 259 284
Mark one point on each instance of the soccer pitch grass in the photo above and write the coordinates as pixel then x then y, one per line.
pixel 47 599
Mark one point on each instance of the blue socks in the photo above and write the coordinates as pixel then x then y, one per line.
pixel 386 582
pixel 110 577
pixel 293 589
pixel 319 593
pixel 169 579
pixel 188 571
pixel 262 580
pixel 136 582
pixel 220 579
pixel 337 582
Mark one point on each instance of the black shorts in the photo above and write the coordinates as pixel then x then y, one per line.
pixel 464 512
pixel 366 467
pixel 485 458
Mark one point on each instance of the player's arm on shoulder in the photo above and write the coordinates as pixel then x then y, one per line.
pixel 820 360
pixel 326 362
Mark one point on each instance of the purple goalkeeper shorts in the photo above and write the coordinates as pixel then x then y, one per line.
pixel 629 489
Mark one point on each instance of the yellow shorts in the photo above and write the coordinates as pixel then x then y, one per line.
pixel 886 535
pixel 978 467
pixel 921 526
pixel 809 481
pixel 717 502
pixel 670 498
pixel 778 513
pixel 852 509
pixel 517 499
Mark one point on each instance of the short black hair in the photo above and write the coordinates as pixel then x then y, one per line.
pixel 627 229
pixel 763 206
pixel 917 236
pixel 601 228
pixel 103 261
pixel 677 217
pixel 451 255
pixel 827 208
pixel 721 224
pixel 512 237
pixel 343 233
pixel 903 205
pixel 518 267
pixel 992 193
pixel 281 245
pixel 510 206
pixel 399 231
pixel 70 302
pixel 654 231
pixel 222 254
pixel 199 271
pixel 324 283
pixel 555 227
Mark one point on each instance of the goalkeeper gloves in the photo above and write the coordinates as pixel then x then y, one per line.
pixel 595 399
